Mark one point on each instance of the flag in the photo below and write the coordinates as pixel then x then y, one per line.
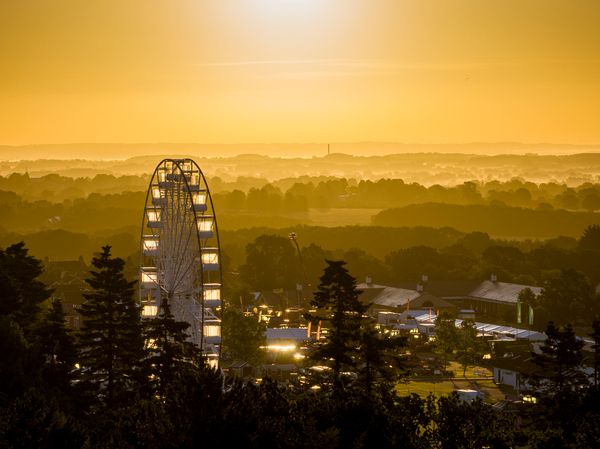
pixel 530 316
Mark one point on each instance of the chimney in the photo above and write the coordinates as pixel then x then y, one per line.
pixel 493 277
pixel 368 280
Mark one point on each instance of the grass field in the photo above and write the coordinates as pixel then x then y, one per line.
pixel 341 216
pixel 477 378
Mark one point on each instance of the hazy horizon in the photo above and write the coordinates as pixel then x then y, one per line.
pixel 123 151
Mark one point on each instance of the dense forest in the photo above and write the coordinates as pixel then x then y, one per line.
pixel 251 192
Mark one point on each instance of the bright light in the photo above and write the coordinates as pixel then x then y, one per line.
pixel 212 330
pixel 149 277
pixel 205 225
pixel 149 310
pixel 150 244
pixel 154 215
pixel 211 257
pixel 199 198
pixel 280 348
pixel 213 293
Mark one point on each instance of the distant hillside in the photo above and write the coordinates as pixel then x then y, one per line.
pixel 199 150
pixel 496 220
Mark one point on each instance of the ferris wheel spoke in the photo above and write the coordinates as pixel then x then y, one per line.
pixel 183 247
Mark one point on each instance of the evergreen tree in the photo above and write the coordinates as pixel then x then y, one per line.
pixel 111 341
pixel 169 348
pixel 560 359
pixel 18 368
pixel 337 302
pixel 379 356
pixel 57 347
pixel 21 293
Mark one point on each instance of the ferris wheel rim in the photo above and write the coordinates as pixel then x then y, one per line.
pixel 176 165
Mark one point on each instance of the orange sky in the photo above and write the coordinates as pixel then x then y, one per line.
pixel 235 71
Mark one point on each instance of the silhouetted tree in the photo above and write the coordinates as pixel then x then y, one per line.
pixel 378 355
pixel 57 347
pixel 169 348
pixel 35 420
pixel 560 360
pixel 337 303
pixel 111 342
pixel 567 297
pixel 467 425
pixel 242 337
pixel 21 292
pixel 271 262
pixel 590 239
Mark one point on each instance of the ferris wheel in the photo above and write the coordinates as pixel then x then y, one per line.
pixel 180 253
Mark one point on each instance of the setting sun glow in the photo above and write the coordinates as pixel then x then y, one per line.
pixel 299 71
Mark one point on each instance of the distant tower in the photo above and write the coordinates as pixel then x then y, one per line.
pixel 328 150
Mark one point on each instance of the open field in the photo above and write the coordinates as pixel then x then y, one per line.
pixel 477 378
pixel 341 216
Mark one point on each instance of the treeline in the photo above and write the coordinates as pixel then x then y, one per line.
pixel 496 220
pixel 299 193
pixel 392 255
pixel 94 213
pixel 511 209
pixel 567 270
pixel 290 194
pixel 56 188
pixel 387 254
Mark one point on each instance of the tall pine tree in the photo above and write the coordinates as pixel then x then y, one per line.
pixel 21 293
pixel 560 358
pixel 111 340
pixel 337 303
pixel 56 345
pixel 169 348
